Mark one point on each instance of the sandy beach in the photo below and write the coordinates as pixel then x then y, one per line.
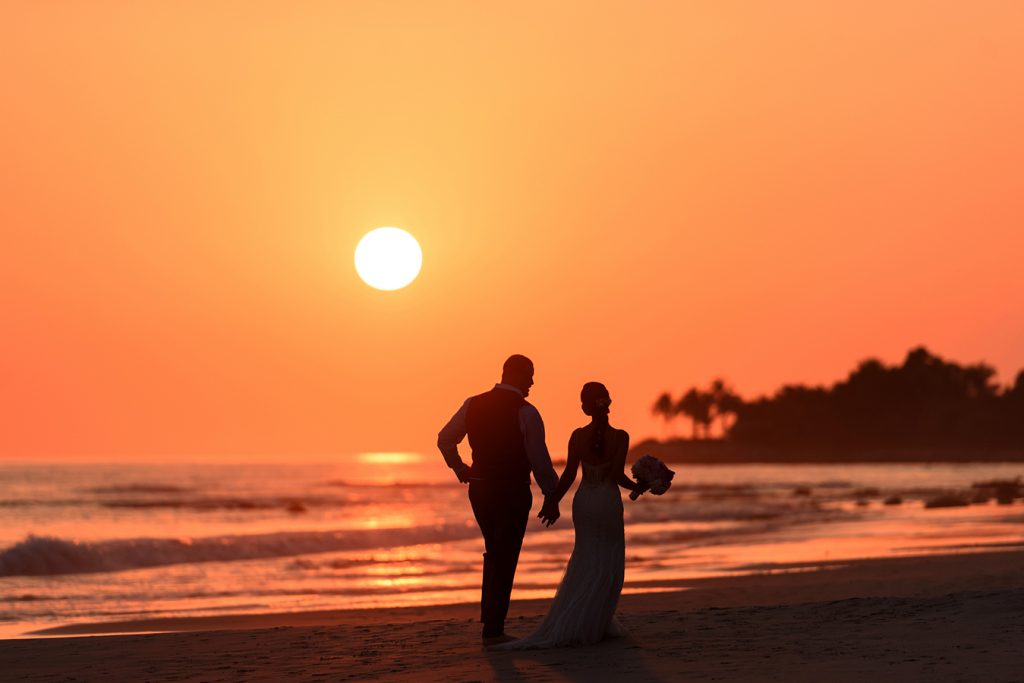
pixel 953 617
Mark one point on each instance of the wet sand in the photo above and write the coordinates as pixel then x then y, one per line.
pixel 952 617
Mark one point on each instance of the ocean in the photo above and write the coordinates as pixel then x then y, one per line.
pixel 113 542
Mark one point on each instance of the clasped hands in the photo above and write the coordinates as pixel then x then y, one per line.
pixel 549 511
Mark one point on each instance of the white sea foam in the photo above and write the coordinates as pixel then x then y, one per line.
pixel 47 556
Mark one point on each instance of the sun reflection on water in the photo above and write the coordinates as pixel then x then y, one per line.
pixel 385 458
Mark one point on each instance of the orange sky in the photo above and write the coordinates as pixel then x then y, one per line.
pixel 645 194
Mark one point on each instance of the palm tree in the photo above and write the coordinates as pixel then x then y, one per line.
pixel 696 405
pixel 664 407
pixel 726 402
pixel 705 409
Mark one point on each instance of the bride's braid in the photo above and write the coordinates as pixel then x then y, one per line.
pixel 600 428
pixel 595 401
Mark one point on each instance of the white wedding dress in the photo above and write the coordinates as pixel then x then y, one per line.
pixel 583 611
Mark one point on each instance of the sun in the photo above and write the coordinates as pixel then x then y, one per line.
pixel 388 258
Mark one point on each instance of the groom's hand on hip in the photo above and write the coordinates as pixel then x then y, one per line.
pixel 462 472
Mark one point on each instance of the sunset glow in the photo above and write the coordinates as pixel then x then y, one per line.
pixel 638 205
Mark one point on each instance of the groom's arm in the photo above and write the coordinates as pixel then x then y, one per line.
pixel 448 440
pixel 537 449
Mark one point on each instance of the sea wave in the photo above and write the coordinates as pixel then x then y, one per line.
pixel 297 503
pixel 344 483
pixel 233 503
pixel 139 487
pixel 48 556
pixel 718 510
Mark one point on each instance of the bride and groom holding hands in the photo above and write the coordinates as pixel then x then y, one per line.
pixel 506 435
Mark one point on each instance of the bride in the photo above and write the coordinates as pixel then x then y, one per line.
pixel 583 611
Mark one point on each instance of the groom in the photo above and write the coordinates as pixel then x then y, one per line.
pixel 506 435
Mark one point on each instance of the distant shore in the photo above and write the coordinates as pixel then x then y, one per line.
pixel 719 451
pixel 942 617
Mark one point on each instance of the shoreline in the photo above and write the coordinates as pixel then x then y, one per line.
pixel 940 617
pixel 837 579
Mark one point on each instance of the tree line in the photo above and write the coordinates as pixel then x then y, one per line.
pixel 924 402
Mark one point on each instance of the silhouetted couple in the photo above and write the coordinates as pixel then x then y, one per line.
pixel 506 435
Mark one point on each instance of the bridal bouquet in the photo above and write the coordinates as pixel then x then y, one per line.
pixel 651 474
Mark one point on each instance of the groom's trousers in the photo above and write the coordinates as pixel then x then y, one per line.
pixel 502 510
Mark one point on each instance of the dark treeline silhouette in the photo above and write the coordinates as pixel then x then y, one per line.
pixel 924 403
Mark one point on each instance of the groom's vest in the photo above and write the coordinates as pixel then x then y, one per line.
pixel 492 422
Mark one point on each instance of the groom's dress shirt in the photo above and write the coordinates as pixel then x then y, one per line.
pixel 532 428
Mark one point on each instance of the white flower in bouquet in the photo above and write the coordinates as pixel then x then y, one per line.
pixel 651 474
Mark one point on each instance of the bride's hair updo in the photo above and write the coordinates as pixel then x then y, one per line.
pixel 596 399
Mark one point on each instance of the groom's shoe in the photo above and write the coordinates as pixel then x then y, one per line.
pixel 497 640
